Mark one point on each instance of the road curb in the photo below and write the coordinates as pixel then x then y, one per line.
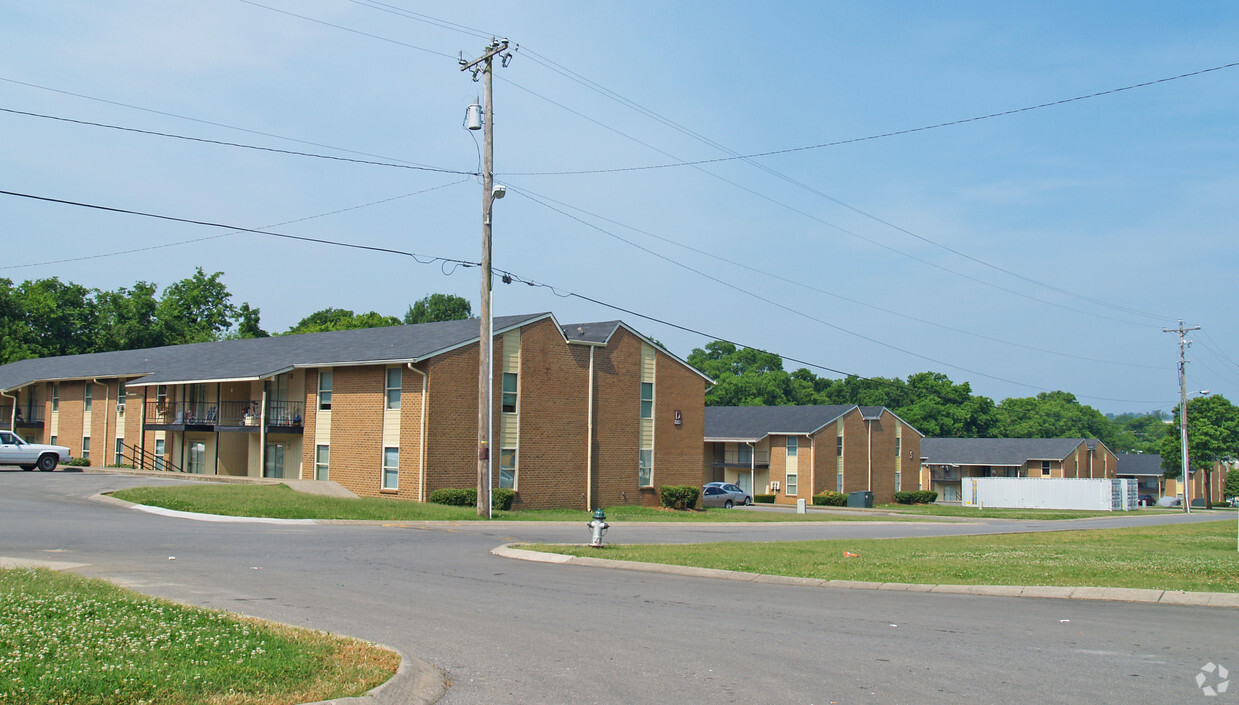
pixel 415 683
pixel 1108 594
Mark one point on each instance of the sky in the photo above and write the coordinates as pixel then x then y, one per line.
pixel 940 185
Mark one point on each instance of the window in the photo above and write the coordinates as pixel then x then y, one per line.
pixel 161 395
pixel 196 463
pixel 86 448
pixel 839 482
pixel 275 461
pixel 793 446
pixel 1045 468
pixel 509 393
pixel 647 400
pixel 393 387
pixel 324 390
pixel 88 397
pixel 391 468
pixel 120 452
pixel 645 468
pixel 507 468
pixel 55 396
pixel 54 442
pixel 792 480
pixel 898 446
pixel 898 480
pixel 839 447
pixel 322 461
pixel 159 451
pixel 744 453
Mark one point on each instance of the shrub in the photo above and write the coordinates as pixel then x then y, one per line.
pixel 830 498
pixel 679 496
pixel 79 463
pixel 763 499
pixel 501 498
pixel 907 497
pixel 455 497
pixel 926 497
pixel 1232 483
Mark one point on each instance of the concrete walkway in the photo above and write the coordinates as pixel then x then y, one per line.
pixel 1165 597
pixel 327 488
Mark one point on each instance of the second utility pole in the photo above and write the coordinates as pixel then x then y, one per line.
pixel 482 65
pixel 1185 463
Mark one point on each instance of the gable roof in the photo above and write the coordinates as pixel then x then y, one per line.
pixel 256 358
pixel 995 451
pixel 1143 464
pixel 600 334
pixel 753 423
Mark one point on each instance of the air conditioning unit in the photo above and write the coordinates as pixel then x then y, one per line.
pixel 120 408
pixel 774 486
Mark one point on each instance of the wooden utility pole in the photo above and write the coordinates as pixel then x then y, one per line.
pixel 1184 463
pixel 482 66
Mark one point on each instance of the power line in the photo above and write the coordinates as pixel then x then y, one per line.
pixel 348 29
pixel 841 297
pixel 418 167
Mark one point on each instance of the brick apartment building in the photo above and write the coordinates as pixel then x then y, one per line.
pixel 584 415
pixel 794 452
pixel 946 462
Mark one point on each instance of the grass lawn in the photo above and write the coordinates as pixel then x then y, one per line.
pixel 1196 557
pixel 955 510
pixel 67 639
pixel 281 502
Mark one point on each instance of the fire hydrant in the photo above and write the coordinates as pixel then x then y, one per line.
pixel 598 527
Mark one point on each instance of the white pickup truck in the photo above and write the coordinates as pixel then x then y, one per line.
pixel 28 456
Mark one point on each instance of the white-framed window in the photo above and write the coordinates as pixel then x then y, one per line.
pixel 898 480
pixel 898 446
pixel 86 448
pixel 793 479
pixel 647 400
pixel 119 457
pixel 159 451
pixel 645 467
pixel 507 468
pixel 88 397
pixel 55 396
pixel 161 395
pixel 393 387
pixel 1045 468
pixel 53 440
pixel 275 461
pixel 324 390
pixel 322 462
pixel 196 463
pixel 744 454
pixel 839 482
pixel 508 399
pixel 839 447
pixel 391 468
pixel 793 446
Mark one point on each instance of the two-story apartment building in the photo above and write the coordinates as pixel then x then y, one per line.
pixel 946 462
pixel 584 415
pixel 794 452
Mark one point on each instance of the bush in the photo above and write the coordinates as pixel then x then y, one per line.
pixel 679 496
pixel 79 463
pixel 501 498
pixel 927 496
pixel 830 498
pixel 907 497
pixel 763 499
pixel 1232 483
pixel 454 497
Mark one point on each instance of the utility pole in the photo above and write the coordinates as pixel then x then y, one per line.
pixel 1184 464
pixel 482 66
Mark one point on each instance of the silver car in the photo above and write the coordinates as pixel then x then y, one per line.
pixel 723 494
pixel 16 451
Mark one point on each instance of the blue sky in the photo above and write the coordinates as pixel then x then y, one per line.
pixel 1041 250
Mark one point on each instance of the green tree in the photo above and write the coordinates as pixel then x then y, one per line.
pixel 341 319
pixel 438 307
pixel 941 408
pixel 1139 433
pixel 1051 415
pixel 1212 435
pixel 60 318
pixel 127 319
pixel 195 309
pixel 743 376
pixel 1232 484
pixel 247 323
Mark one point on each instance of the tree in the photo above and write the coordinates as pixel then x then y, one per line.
pixel 1139 433
pixel 127 319
pixel 195 309
pixel 742 376
pixel 438 307
pixel 341 319
pixel 247 323
pixel 60 318
pixel 1212 435
pixel 1232 483
pixel 1055 414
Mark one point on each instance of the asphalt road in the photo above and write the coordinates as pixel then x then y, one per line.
pixel 505 631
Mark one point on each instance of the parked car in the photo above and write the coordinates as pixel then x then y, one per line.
pixel 14 450
pixel 1170 502
pixel 1146 500
pixel 1234 501
pixel 723 494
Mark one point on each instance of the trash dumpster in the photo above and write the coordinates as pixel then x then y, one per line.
pixel 860 499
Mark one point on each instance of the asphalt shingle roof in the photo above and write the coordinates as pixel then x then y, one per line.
pixel 1149 464
pixel 995 451
pixel 756 422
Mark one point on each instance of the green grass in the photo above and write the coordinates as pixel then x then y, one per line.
pixel 67 639
pixel 281 502
pixel 1196 557
pixel 955 510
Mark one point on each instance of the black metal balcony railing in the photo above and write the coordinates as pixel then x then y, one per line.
pixel 757 458
pixel 26 415
pixel 226 413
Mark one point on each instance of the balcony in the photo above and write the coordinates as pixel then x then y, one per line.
pixel 225 416
pixel 27 416
pixel 737 459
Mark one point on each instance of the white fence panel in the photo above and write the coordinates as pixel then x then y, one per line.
pixel 1047 493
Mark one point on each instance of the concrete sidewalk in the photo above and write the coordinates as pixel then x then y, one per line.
pixel 1163 597
pixel 328 488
